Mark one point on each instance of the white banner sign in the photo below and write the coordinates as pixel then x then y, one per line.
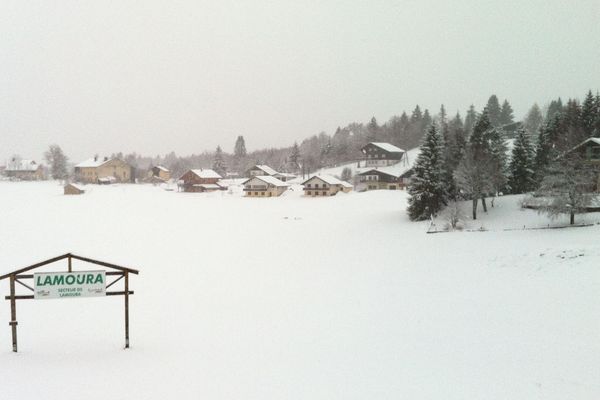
pixel 55 285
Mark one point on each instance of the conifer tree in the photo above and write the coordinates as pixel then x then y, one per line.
pixel 533 120
pixel 494 110
pixel 496 162
pixel 506 114
pixel 470 120
pixel 589 114
pixel 521 164
pixel 427 196
pixel 219 163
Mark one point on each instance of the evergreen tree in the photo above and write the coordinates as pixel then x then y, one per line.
pixel 427 196
pixel 555 107
pixel 521 178
pixel 218 163
pixel 597 122
pixel 506 114
pixel 496 163
pixel 533 120
pixel 589 114
pixel 470 120
pixel 373 130
pixel 57 161
pixel 473 173
pixel 494 110
pixel 239 153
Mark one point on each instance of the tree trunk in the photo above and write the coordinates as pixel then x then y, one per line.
pixel 493 198
pixel 483 204
pixel 572 218
pixel 475 208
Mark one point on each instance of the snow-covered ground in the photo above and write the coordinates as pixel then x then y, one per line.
pixel 299 298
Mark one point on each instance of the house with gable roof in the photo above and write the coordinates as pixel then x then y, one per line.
pixel 325 185
pixel 264 186
pixel 103 170
pixel 200 180
pixel 380 154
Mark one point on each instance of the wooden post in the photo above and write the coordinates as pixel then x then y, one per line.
pixel 126 310
pixel 70 265
pixel 13 313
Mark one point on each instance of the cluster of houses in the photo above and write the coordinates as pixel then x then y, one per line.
pixel 384 166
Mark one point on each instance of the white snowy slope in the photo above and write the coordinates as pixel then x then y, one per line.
pixel 299 298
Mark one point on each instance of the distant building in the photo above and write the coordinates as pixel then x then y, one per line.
pixel 159 174
pixel 96 170
pixel 260 170
pixel 385 178
pixel 378 154
pixel 264 186
pixel 25 170
pixel 325 185
pixel 284 176
pixel 200 180
pixel 72 188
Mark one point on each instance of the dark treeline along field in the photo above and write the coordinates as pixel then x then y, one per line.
pixel 471 161
pixel 325 150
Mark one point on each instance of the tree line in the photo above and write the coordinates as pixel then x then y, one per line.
pixel 458 163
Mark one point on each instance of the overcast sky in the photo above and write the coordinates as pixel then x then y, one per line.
pixel 154 76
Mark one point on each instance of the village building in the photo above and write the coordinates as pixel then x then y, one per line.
pixel 159 174
pixel 96 170
pixel 284 176
pixel 200 180
pixel 264 186
pixel 260 170
pixel 325 185
pixel 25 170
pixel 379 154
pixel 71 188
pixel 385 179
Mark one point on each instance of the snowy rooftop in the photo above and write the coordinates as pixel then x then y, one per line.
pixel 332 180
pixel 91 162
pixel 206 173
pixel 162 168
pixel 387 147
pixel 269 179
pixel 266 169
pixel 22 165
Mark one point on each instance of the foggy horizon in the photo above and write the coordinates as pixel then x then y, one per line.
pixel 152 78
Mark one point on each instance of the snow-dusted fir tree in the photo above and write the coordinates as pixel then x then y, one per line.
pixel 57 161
pixel 219 163
pixel 496 162
pixel 427 195
pixel 473 173
pixel 567 187
pixel 521 164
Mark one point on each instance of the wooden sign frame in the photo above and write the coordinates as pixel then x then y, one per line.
pixel 18 276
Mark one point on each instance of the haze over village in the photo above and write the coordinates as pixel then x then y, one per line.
pixel 276 200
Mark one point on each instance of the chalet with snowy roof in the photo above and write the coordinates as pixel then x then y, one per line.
pixel 72 188
pixel 260 170
pixel 325 185
pixel 264 186
pixel 25 170
pixel 159 174
pixel 379 154
pixel 378 179
pixel 200 180
pixel 103 170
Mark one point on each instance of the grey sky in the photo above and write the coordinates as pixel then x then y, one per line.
pixel 154 76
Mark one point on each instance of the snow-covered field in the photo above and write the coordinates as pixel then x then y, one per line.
pixel 299 298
